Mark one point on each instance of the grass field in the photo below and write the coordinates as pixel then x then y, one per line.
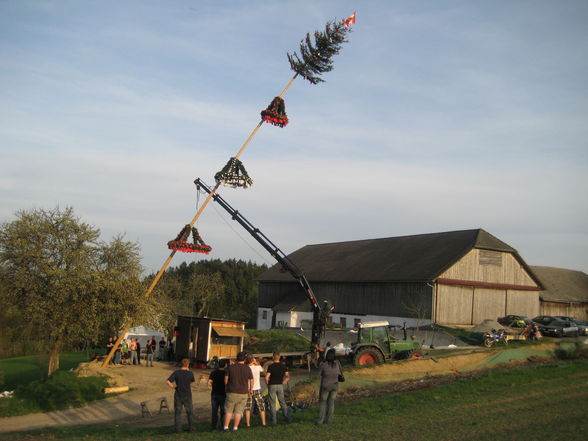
pixel 23 370
pixel 540 402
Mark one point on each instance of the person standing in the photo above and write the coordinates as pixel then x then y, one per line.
pixel 170 349
pixel 329 370
pixel 216 382
pixel 150 351
pixel 277 375
pixel 256 396
pixel 125 351
pixel 133 349
pixel 117 355
pixel 239 384
pixel 138 341
pixel 109 346
pixel 183 379
pixel 161 356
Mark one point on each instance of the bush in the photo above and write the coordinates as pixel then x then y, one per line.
pixel 571 351
pixel 63 389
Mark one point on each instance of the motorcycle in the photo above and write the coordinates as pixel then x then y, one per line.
pixel 495 336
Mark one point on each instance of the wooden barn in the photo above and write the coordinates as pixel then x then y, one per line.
pixel 565 292
pixel 202 338
pixel 457 278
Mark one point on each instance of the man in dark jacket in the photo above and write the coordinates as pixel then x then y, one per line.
pixel 183 379
pixel 216 383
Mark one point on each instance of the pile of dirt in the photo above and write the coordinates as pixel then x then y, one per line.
pixel 486 325
pixel 95 369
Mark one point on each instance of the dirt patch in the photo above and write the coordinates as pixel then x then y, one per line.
pixel 486 325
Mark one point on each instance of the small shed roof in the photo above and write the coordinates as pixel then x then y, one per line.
pixel 418 258
pixel 562 285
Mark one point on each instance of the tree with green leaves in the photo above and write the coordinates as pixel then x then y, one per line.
pixel 68 285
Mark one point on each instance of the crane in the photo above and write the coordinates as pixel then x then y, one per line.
pixel 319 315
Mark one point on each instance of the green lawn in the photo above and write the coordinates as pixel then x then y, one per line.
pixel 23 370
pixel 539 402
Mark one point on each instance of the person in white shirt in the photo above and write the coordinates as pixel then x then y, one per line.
pixel 256 396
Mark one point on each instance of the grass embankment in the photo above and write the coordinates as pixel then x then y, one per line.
pixel 27 376
pixel 22 370
pixel 532 403
pixel 270 340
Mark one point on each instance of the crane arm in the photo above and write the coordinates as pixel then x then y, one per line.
pixel 318 318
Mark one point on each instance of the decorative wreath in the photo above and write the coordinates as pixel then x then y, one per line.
pixel 180 243
pixel 276 113
pixel 234 175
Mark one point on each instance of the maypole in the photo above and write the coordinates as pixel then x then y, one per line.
pixel 313 61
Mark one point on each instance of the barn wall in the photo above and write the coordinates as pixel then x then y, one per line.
pixel 479 266
pixel 488 304
pixel 382 299
pixel 272 293
pixel 468 305
pixel 578 310
pixel 454 305
pixel 522 303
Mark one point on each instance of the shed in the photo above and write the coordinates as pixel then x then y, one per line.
pixel 202 338
pixel 456 277
pixel 565 292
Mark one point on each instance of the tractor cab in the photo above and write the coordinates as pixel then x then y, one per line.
pixel 377 342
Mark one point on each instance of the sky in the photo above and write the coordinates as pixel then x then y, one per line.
pixel 438 116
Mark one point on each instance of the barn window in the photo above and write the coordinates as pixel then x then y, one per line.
pixel 264 315
pixel 490 258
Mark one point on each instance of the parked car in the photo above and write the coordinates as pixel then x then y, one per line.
pixel 544 319
pixel 581 324
pixel 559 328
pixel 514 321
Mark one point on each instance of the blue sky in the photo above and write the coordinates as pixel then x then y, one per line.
pixel 438 116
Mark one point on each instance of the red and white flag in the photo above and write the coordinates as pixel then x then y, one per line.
pixel 349 20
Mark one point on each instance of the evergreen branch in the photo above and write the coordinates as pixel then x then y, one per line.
pixel 316 57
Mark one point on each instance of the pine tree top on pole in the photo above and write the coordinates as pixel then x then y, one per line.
pixel 316 58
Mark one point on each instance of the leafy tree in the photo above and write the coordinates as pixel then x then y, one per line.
pixel 213 288
pixel 68 285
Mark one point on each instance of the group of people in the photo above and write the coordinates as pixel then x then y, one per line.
pixel 237 388
pixel 129 351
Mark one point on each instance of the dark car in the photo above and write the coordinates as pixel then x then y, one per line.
pixel 558 328
pixel 514 321
pixel 544 319
pixel 581 324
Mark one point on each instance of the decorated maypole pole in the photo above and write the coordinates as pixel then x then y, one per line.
pixel 314 60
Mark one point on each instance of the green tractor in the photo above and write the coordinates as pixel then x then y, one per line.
pixel 376 344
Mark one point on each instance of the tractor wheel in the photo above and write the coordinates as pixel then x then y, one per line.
pixel 367 356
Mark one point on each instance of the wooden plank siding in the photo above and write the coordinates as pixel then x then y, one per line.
pixel 578 310
pixel 488 304
pixel 394 299
pixel 468 305
pixel 509 272
pixel 522 303
pixel 454 304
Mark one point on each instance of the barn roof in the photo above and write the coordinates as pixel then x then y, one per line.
pixel 562 285
pixel 418 258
